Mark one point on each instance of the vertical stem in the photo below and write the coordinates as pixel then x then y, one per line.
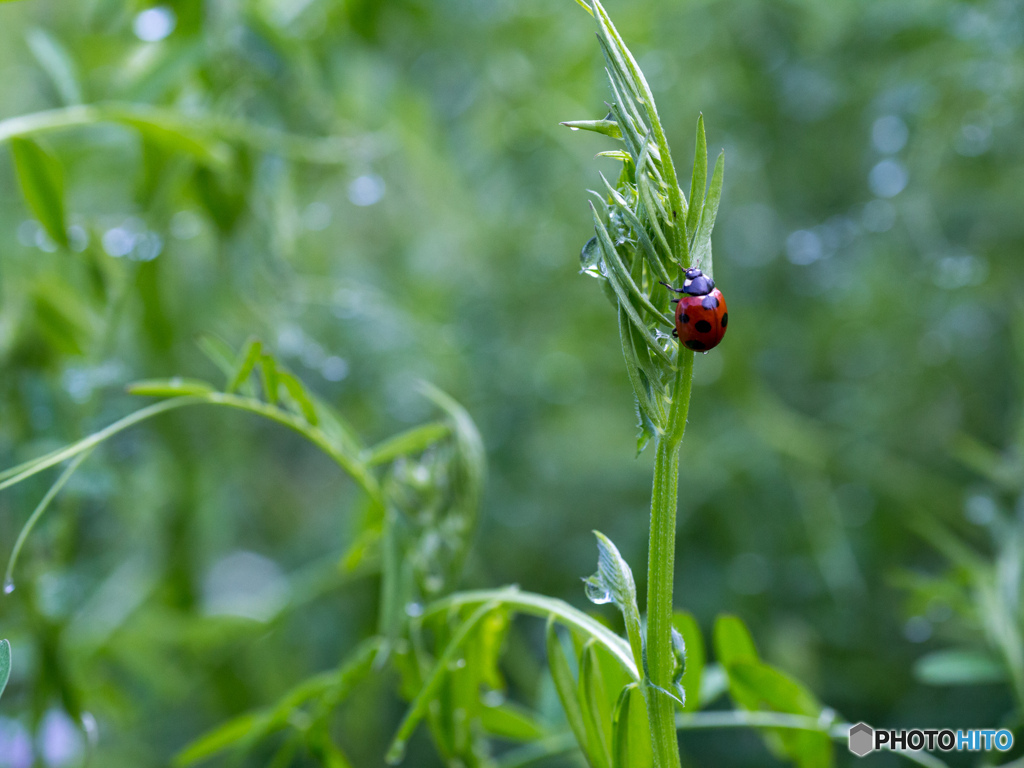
pixel 661 569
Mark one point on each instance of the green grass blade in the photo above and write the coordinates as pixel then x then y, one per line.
pixel 700 179
pixel 268 375
pixel 565 685
pixel 638 368
pixel 55 60
pixel 631 740
pixel 297 393
pixel 241 732
pixel 647 246
pixel 42 185
pixel 702 240
pixel 412 441
pixel 597 709
pixel 40 509
pixel 245 365
pixel 509 721
pixel 431 685
pixel 609 251
pixel 35 466
pixel 223 737
pixel 607 127
pixel 5 664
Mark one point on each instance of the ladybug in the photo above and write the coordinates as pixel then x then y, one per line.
pixel 701 315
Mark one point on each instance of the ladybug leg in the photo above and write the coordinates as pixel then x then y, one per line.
pixel 675 301
pixel 677 290
pixel 675 333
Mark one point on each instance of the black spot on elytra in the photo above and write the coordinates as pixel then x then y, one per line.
pixel 684 319
pixel 709 302
pixel 725 319
pixel 703 326
pixel 694 344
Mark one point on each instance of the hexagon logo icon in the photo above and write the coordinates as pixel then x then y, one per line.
pixel 862 737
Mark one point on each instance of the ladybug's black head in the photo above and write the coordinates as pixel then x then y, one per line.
pixel 697 283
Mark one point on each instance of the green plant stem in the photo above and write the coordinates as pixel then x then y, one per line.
pixel 661 569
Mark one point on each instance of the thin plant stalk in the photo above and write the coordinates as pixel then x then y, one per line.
pixel 661 569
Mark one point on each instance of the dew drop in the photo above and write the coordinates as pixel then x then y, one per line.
pixel 573 128
pixel 597 595
pixel 8 586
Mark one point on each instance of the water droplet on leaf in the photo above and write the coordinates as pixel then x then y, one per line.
pixel 598 595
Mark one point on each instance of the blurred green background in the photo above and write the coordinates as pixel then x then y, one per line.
pixel 869 245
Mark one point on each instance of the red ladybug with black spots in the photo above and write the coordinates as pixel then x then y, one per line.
pixel 701 315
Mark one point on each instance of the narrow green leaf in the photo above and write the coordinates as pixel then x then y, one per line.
pixel 565 685
pixel 26 469
pixel 958 667
pixel 432 683
pixel 626 115
pixel 687 626
pixel 702 240
pixel 55 60
pixel 268 374
pixel 613 582
pixel 631 734
pixel 245 364
pixel 219 352
pixel 656 212
pixel 647 246
pixel 609 252
pixel 42 184
pixel 647 400
pixel 38 512
pixel 176 134
pixel 412 441
pixel 700 179
pixel 597 711
pixel 623 277
pixel 607 127
pixel 170 387
pixel 222 737
pixel 5 664
pixel 323 748
pixel 297 392
pixel 241 732
pixel 509 721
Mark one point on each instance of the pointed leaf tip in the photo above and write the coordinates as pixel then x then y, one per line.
pixel 613 581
